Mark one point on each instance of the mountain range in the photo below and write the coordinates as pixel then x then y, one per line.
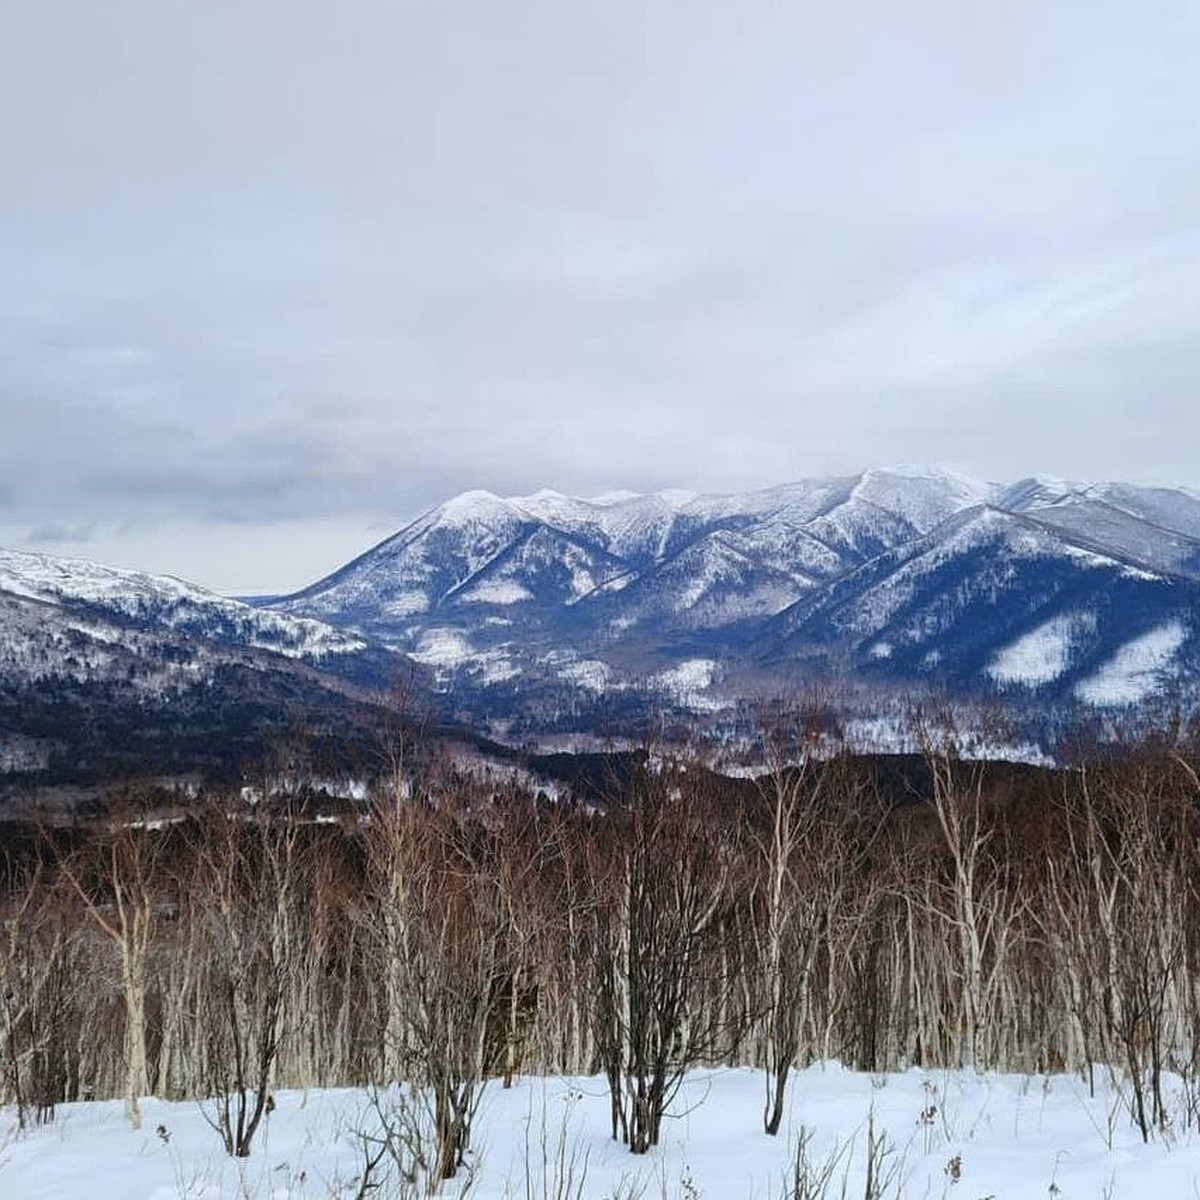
pixel 548 613
pixel 1044 592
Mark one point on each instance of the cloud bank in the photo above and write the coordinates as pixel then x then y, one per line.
pixel 306 267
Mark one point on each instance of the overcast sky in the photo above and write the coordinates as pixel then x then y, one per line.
pixel 276 275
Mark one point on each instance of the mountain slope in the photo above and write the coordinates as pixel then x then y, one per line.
pixel 988 592
pixel 106 673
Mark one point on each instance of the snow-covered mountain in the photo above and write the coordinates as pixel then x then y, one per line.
pixel 161 602
pixel 545 553
pixel 1043 591
pixel 99 666
pixel 549 613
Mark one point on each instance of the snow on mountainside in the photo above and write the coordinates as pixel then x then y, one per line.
pixel 1154 527
pixel 922 498
pixel 1138 669
pixel 902 577
pixel 166 602
pixel 1043 654
pixel 43 643
pixel 107 673
pixel 921 588
pixel 829 524
pixel 79 620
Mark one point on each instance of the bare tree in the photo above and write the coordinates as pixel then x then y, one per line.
pixel 436 896
pixel 958 803
pixel 250 870
pixel 665 880
pixel 116 880
pixel 40 980
pixel 794 915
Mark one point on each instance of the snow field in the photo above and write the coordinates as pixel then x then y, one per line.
pixel 934 1134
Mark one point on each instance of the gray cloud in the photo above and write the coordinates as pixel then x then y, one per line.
pixel 325 264
pixel 49 534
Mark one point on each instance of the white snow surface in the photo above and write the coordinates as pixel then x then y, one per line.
pixel 893 733
pixel 448 651
pixel 1137 670
pixel 945 1134
pixel 588 673
pixel 693 674
pixel 923 496
pixel 442 647
pixel 405 603
pixel 1043 654
pixel 496 591
pixel 689 682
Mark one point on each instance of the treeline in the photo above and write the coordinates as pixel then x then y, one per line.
pixel 449 931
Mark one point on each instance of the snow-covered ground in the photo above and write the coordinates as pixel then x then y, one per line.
pixel 936 1134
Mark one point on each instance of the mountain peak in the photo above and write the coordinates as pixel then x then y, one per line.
pixel 616 496
pixel 474 502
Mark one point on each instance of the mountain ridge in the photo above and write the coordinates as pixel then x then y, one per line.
pixel 543 614
pixel 108 673
pixel 850 575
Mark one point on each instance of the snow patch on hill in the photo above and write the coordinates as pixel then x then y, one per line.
pixel 496 591
pixel 1043 654
pixel 688 684
pixel 443 648
pixel 405 604
pixel 1137 670
pixel 588 673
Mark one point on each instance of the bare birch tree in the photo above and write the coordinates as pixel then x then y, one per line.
pixel 117 887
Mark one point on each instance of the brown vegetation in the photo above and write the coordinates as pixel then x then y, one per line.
pixel 453 931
